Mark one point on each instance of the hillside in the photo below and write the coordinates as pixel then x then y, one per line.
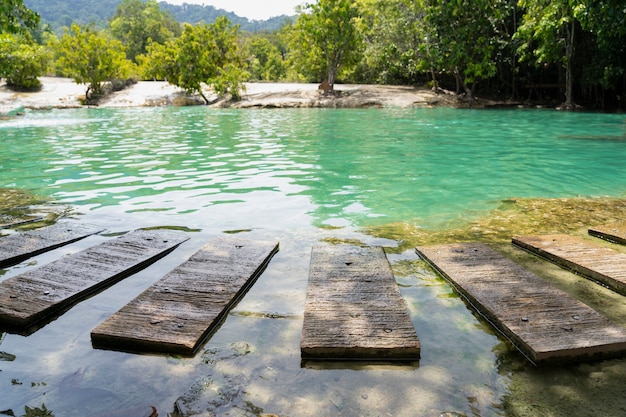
pixel 60 13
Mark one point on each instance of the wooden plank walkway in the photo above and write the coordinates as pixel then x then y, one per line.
pixel 593 261
pixel 545 323
pixel 354 309
pixel 43 292
pixel 178 312
pixel 612 233
pixel 21 246
pixel 7 222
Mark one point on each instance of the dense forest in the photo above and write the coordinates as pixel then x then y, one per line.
pixel 567 53
pixel 62 13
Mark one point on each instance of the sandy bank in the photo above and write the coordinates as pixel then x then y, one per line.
pixel 65 93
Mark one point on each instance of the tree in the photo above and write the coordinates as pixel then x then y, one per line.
pixel 15 17
pixel 605 22
pixel 265 62
pixel 463 39
pixel 22 61
pixel 202 54
pixel 91 58
pixel 548 32
pixel 395 50
pixel 137 23
pixel 327 36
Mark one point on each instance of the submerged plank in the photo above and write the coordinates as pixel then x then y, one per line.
pixel 6 222
pixel 543 322
pixel 593 261
pixel 178 312
pixel 354 309
pixel 38 294
pixel 615 233
pixel 21 246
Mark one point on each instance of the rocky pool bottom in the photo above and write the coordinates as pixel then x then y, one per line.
pixel 595 388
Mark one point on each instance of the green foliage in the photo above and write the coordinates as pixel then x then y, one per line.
pixel 136 23
pixel 542 30
pixel 265 61
pixel 16 17
pixel 503 45
pixel 92 58
pixel 62 13
pixel 395 48
pixel 202 54
pixel 37 412
pixel 22 61
pixel 462 37
pixel 327 37
pixel 606 21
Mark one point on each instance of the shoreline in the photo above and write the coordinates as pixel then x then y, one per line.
pixel 64 93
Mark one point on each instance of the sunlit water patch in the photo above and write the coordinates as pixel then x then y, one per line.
pixel 382 177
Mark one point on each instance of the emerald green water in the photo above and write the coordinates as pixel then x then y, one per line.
pixel 297 176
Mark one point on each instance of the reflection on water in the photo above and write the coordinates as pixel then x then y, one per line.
pixel 381 177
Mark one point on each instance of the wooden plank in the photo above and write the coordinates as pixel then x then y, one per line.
pixel 593 261
pixel 21 246
pixel 615 233
pixel 41 293
pixel 354 309
pixel 7 222
pixel 178 312
pixel 545 323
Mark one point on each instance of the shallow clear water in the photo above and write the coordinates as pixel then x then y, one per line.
pixel 297 176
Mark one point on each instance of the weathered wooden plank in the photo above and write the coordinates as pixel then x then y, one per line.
pixel 593 261
pixel 354 309
pixel 6 221
pixel 615 233
pixel 178 312
pixel 543 322
pixel 21 246
pixel 41 293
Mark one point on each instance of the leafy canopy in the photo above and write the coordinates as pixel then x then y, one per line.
pixel 15 17
pixel 92 58
pixel 22 61
pixel 202 54
pixel 327 37
pixel 137 23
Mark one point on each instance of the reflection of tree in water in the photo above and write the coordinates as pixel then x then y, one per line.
pixel 220 390
pixel 4 356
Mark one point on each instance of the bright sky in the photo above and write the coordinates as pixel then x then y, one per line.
pixel 252 9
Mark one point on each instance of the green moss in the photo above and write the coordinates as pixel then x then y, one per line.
pixel 512 218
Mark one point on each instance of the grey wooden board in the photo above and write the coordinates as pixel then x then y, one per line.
pixel 34 295
pixel 178 312
pixel 354 309
pixel 17 247
pixel 6 222
pixel 615 233
pixel 543 322
pixel 593 261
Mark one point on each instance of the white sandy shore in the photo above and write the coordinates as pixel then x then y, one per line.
pixel 65 93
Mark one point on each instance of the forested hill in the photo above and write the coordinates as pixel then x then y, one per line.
pixel 59 13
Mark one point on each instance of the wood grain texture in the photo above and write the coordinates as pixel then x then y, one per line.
pixel 178 312
pixel 40 293
pixel 593 261
pixel 354 309
pixel 615 233
pixel 543 322
pixel 21 246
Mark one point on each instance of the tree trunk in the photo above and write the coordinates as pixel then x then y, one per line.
pixel 434 80
pixel 331 76
pixel 206 100
pixel 569 69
